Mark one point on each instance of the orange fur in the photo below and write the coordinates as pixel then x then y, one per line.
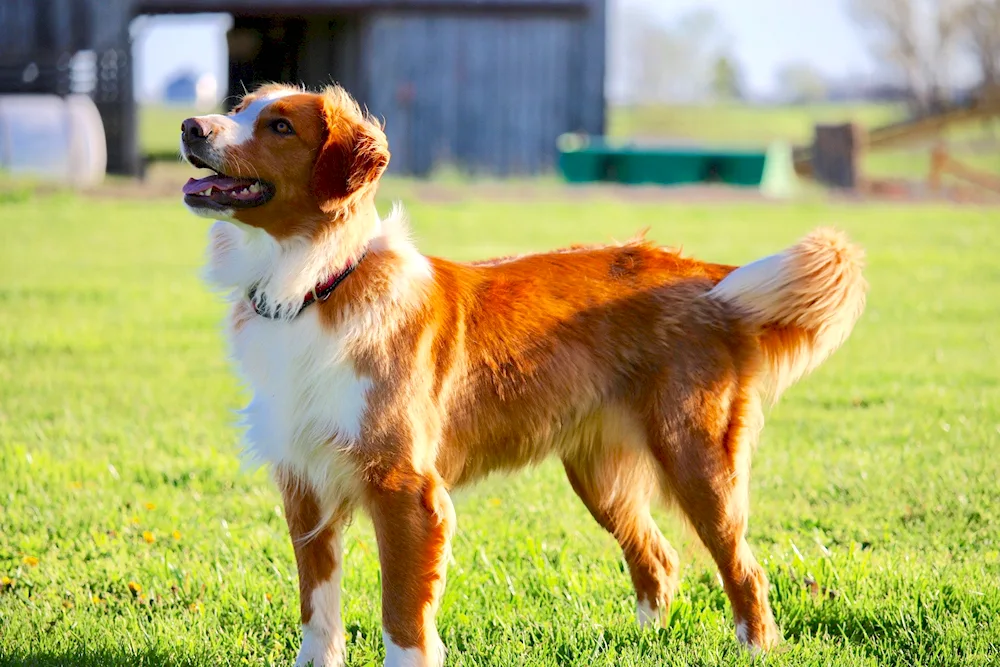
pixel 639 368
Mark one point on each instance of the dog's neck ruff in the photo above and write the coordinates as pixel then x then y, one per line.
pixel 320 292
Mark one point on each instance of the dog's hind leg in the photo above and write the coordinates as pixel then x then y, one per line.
pixel 705 456
pixel 617 486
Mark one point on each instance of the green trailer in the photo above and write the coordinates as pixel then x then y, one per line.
pixel 588 160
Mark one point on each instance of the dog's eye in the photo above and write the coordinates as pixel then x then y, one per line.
pixel 282 126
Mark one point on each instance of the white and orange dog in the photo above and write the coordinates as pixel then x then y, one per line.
pixel 383 379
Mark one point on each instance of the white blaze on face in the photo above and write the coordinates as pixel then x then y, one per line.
pixel 238 129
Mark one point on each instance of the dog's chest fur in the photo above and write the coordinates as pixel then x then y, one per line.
pixel 308 399
pixel 307 394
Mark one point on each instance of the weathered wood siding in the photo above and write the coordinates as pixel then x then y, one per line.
pixel 487 85
pixel 302 7
pixel 331 52
pixel 488 92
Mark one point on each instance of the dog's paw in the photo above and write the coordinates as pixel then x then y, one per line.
pixel 321 651
pixel 759 637
pixel 647 615
pixel 397 656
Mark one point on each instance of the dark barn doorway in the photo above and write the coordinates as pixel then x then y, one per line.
pixel 313 51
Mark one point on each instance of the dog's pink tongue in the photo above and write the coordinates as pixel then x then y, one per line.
pixel 196 185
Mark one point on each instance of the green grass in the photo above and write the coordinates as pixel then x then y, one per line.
pixel 876 477
pixel 160 128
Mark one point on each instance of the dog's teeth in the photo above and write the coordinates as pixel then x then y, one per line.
pixel 255 188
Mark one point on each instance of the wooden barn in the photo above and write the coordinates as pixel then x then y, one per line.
pixel 484 85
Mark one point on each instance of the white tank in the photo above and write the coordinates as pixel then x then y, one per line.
pixel 52 138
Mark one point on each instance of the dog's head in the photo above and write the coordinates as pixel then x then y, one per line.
pixel 283 157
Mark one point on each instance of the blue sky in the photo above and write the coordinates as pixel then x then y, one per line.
pixel 765 34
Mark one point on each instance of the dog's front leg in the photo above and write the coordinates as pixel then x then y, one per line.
pixel 414 521
pixel 318 543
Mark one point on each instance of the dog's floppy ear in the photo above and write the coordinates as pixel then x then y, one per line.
pixel 353 155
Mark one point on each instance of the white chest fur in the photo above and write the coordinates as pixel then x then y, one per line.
pixel 308 400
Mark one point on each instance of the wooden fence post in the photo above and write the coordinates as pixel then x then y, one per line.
pixel 836 155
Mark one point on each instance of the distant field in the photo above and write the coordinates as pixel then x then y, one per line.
pixel 743 124
pixel 723 124
pixel 760 125
pixel 130 536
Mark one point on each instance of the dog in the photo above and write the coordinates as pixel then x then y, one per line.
pixel 383 379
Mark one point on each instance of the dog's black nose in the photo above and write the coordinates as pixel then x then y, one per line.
pixel 195 129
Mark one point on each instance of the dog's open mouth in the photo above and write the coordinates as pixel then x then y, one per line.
pixel 226 192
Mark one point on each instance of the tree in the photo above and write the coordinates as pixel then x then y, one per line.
pixel 653 60
pixel 727 80
pixel 917 39
pixel 983 39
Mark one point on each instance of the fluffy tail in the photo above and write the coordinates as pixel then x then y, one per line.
pixel 803 302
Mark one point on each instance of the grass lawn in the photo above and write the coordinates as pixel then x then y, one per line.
pixel 130 536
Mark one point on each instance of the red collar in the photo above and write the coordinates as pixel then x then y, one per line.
pixel 321 292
